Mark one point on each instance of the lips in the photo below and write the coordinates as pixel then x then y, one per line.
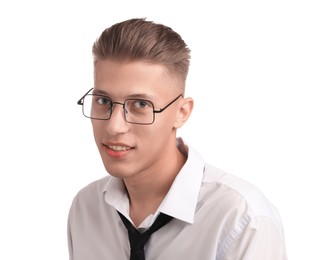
pixel 117 150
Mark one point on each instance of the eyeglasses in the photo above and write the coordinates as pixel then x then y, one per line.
pixel 136 111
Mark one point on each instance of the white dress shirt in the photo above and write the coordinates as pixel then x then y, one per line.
pixel 217 216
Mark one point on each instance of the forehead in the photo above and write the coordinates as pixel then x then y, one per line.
pixel 132 78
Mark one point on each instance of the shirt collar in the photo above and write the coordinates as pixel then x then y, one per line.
pixel 180 201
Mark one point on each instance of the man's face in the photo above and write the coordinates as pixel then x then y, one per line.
pixel 130 150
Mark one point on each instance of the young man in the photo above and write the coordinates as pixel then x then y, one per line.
pixel 136 106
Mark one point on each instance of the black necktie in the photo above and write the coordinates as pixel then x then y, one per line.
pixel 137 240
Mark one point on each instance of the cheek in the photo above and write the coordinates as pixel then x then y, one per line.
pixel 157 133
pixel 97 131
pixel 165 121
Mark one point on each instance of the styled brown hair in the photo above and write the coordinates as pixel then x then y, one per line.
pixel 141 40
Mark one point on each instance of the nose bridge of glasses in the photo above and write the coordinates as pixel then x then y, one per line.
pixel 113 103
pixel 117 103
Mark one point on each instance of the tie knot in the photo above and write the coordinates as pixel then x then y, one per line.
pixel 137 240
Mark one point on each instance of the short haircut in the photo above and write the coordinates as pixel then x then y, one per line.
pixel 141 40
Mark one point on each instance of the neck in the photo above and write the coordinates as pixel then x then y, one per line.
pixel 147 193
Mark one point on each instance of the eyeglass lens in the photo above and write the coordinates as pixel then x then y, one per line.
pixel 135 110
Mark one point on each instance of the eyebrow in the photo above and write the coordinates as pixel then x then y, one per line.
pixel 99 92
pixel 136 95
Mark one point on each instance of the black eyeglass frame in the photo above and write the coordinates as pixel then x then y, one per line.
pixel 80 102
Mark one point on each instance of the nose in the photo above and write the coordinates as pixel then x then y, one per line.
pixel 117 123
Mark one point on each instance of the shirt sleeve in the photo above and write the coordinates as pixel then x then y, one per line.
pixel 69 236
pixel 261 239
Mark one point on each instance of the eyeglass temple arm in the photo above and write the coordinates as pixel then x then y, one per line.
pixel 162 109
pixel 80 101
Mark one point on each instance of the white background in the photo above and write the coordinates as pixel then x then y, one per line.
pixel 256 76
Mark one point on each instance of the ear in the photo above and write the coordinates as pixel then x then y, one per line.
pixel 184 111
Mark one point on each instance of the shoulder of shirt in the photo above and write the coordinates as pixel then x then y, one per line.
pixel 257 205
pixel 93 188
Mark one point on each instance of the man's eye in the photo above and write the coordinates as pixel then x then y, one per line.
pixel 103 100
pixel 141 104
pixel 138 106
